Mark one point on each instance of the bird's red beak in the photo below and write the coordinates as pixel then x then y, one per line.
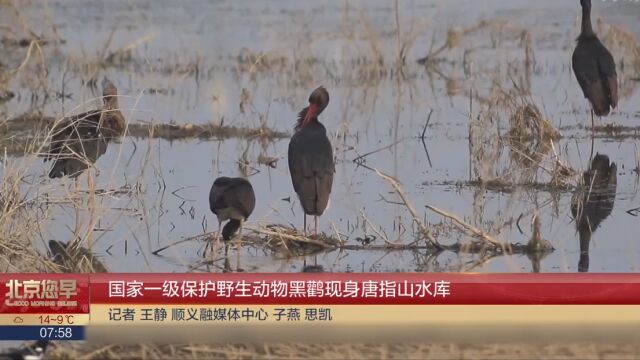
pixel 312 112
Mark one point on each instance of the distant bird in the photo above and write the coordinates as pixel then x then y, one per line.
pixel 74 258
pixel 311 158
pixel 594 68
pixel 537 247
pixel 78 141
pixel 33 351
pixel 592 202
pixel 231 199
pixel 313 269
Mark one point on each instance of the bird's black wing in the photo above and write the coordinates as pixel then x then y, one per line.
pixel 587 70
pixel 607 69
pixel 67 130
pixel 584 67
pixel 236 194
pixel 76 145
pixel 244 198
pixel 311 166
pixel 217 200
pixel 324 170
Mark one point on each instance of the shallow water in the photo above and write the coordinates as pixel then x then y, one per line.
pixel 368 111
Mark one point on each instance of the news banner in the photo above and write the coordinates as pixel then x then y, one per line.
pixel 140 307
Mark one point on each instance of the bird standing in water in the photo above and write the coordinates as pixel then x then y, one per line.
pixel 231 199
pixel 594 68
pixel 313 269
pixel 78 141
pixel 311 158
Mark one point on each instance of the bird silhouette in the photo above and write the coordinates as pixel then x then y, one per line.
pixel 594 68
pixel 311 158
pixel 78 141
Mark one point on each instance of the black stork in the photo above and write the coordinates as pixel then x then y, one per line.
pixel 231 199
pixel 313 269
pixel 311 158
pixel 592 202
pixel 78 141
pixel 594 68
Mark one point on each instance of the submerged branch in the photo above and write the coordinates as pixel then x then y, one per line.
pixel 468 227
pixel 398 189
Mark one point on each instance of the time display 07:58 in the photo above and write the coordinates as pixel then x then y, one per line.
pixel 42 332
pixel 57 332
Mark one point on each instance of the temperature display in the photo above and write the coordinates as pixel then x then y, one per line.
pixel 56 319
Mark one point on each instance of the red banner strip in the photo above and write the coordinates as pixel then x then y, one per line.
pixel 71 293
pixel 366 288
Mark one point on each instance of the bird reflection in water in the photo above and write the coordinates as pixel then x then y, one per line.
pixel 592 202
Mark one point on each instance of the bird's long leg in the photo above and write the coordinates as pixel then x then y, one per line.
pixel 227 266
pixel 593 134
pixel 315 257
pixel 207 245
pixel 240 232
pixel 591 153
pixel 239 246
pixel 238 269
pixel 315 219
pixel 305 235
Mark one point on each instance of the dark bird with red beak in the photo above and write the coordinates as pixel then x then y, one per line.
pixel 311 158
pixel 594 68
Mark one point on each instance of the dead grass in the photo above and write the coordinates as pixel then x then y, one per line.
pixel 426 350
pixel 20 218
